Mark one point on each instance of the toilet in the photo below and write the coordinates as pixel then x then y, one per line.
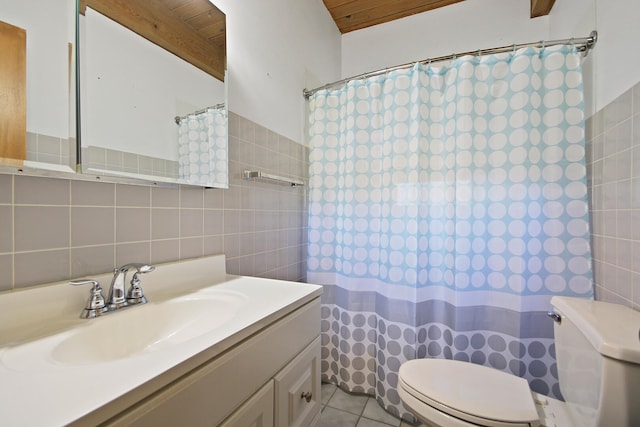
pixel 598 358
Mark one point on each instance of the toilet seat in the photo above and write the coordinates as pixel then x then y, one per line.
pixel 473 393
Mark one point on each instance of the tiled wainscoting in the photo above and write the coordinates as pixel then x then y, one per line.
pixel 613 170
pixel 50 149
pixel 115 160
pixel 57 229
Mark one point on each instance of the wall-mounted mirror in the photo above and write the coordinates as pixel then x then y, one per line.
pixel 153 90
pixel 37 85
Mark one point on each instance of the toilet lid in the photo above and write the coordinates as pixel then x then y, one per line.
pixel 469 391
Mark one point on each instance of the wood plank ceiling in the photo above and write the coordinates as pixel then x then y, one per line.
pixel 351 15
pixel 194 30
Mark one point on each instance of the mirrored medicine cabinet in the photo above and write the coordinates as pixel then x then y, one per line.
pixel 142 83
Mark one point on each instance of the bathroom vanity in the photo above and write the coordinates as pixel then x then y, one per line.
pixel 208 349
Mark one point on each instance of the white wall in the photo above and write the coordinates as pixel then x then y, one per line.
pixel 572 18
pixel 461 27
pixel 617 61
pixel 275 49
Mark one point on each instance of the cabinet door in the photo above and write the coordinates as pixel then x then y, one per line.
pixel 13 92
pixel 255 412
pixel 297 389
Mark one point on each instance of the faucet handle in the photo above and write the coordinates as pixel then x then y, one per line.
pixel 135 295
pixel 141 268
pixel 95 304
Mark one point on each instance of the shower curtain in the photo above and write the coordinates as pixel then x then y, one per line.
pixel 447 205
pixel 202 148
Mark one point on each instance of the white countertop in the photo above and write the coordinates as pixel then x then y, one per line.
pixel 36 390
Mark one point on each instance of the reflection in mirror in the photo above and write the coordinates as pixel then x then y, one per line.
pixel 151 112
pixel 37 91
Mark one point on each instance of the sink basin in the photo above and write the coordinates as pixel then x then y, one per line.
pixel 82 371
pixel 147 328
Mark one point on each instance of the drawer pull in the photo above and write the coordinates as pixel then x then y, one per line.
pixel 306 396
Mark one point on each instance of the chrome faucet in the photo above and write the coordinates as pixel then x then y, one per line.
pixel 117 298
pixel 96 304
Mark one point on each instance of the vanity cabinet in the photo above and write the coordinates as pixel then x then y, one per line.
pixel 297 389
pixel 271 378
pixel 291 399
pixel 256 412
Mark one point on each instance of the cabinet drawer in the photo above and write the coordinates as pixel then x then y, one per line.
pixel 297 389
pixel 255 412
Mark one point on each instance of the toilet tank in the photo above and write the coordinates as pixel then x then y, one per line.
pixel 598 358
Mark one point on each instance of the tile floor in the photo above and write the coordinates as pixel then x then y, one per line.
pixel 341 409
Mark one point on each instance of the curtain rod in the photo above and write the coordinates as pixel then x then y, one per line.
pixel 178 119
pixel 584 45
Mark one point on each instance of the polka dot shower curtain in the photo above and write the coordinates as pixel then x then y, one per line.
pixel 202 147
pixel 447 205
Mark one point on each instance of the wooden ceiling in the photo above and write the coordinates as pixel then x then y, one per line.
pixel 194 30
pixel 351 15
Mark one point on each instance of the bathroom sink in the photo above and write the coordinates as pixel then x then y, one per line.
pixel 80 371
pixel 148 328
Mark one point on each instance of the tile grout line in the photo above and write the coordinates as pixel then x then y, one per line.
pixel 69 242
pixel 114 200
pixel 13 232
